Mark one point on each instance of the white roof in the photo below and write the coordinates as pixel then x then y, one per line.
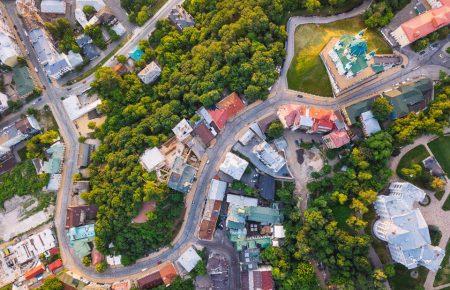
pixel 269 156
pixel 74 59
pixel 182 130
pixel 114 260
pixel 152 158
pixel 54 182
pixel 189 259
pixel 233 165
pixel 53 6
pixel 74 109
pixel 246 137
pixel 9 51
pixel 278 232
pixel 149 73
pixel 370 124
pixel 33 246
pixel 3 102
pixel 119 29
pixel 240 200
pixel 217 189
pixel 404 228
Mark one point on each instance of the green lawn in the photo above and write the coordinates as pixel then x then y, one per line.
pixel 415 155
pixel 443 275
pixel 378 245
pixel 440 148
pixel 307 72
pixel 341 214
pixel 402 279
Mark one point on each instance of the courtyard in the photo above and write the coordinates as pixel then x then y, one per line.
pixel 307 72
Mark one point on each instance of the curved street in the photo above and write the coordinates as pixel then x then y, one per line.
pixel 279 95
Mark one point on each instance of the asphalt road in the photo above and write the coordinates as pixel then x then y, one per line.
pixel 278 96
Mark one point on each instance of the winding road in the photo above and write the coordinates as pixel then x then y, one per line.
pixel 280 94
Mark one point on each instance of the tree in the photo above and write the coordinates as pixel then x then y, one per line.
pixel 86 261
pixel 381 108
pixel 142 16
pixel 411 172
pixel 312 5
pixel 51 284
pixel 275 130
pixel 437 184
pixel 389 270
pixel 37 144
pixel 89 11
pixel 101 267
pixel 121 58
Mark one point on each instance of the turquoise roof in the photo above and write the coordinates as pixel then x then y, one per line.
pixel 352 51
pixel 264 215
pixel 136 54
pixel 358 47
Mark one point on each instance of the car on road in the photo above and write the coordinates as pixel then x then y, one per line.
pixel 422 52
pixel 299 96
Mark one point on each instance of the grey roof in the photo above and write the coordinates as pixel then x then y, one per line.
pixel 266 185
pixel 433 166
pixel 56 67
pixel 82 40
pixel 90 51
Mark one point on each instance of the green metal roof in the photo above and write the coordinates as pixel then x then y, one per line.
pixel 23 82
pixel 264 215
pixel 352 52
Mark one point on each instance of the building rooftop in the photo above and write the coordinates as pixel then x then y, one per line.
pixel 189 259
pixel 336 139
pixel 168 273
pixel 266 186
pixel 263 215
pixel 150 281
pixel 240 200
pixel 53 6
pixel 152 159
pixel 217 189
pixel 233 165
pixel 182 130
pixel 75 109
pixel 205 134
pixel 181 18
pixel 78 215
pixel 226 109
pixel 269 156
pixel 370 124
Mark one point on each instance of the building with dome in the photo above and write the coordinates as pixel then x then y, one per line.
pixel 349 62
pixel 404 229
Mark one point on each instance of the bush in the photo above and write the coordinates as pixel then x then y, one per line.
pixel 275 130
pixel 101 267
pixel 86 261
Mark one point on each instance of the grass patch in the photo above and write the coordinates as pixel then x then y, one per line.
pixel 443 275
pixel 415 156
pixel 307 72
pixel 403 280
pixel 446 205
pixel 439 147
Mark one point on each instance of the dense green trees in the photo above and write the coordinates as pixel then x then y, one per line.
pixel 95 32
pixel 275 130
pixel 38 143
pixel 51 284
pixel 62 33
pixel 381 108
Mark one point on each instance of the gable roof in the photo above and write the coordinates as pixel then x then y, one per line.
pixel 55 265
pixel 227 108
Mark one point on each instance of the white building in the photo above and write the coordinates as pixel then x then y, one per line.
pixel 74 59
pixel 189 259
pixel 75 109
pixel 9 51
pixel 119 29
pixel 152 159
pixel 150 73
pixel 15 133
pixel 404 229
pixel 53 6
pixel 182 130
pixel 369 123
pixel 33 246
pixel 3 102
pixel 81 17
pixel 269 156
pixel 233 165
pixel 217 189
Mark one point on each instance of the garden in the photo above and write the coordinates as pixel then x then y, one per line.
pixel 410 167
pixel 443 275
pixel 439 147
pixel 307 72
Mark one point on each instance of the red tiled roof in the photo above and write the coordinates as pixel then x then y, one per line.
pixel 151 280
pixel 74 214
pixel 168 273
pixel 146 207
pixel 263 280
pixel 427 22
pixel 34 272
pixel 338 138
pixel 55 265
pixel 226 109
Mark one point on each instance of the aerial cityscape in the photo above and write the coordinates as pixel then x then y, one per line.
pixel 218 144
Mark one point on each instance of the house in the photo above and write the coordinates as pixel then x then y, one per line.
pixel 180 18
pixel 279 234
pixel 258 279
pixel 225 110
pixel 369 123
pixel 78 215
pixel 80 239
pixel 84 155
pixel 13 134
pixel 182 130
pixel 34 272
pixel 122 285
pixel 217 189
pixel 119 29
pixel 150 73
pixel 81 17
pixel 404 229
pixel 182 176
pixel 150 281
pixel 263 215
pixel 120 69
pixel 233 166
pixel 3 102
pixel 336 139
pixel 89 49
pixel 74 59
pixel 168 273
pixel 210 217
pixel 9 50
pixel 54 266
pixel 269 156
pixel 75 109
pixel 30 248
pixel 189 259
pixel 266 186
pixel 53 6
pixel 152 159
pixel 423 24
pixel 204 133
